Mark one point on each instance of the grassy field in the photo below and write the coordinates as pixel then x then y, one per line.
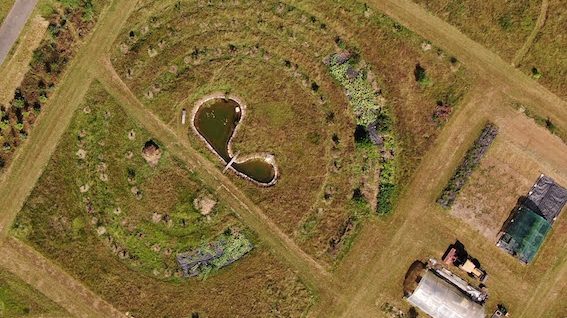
pixel 546 61
pixel 502 26
pixel 100 202
pixel 5 7
pixel 505 27
pixel 20 300
pixel 114 222
pixel 272 56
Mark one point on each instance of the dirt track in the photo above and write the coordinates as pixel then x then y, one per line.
pixel 52 281
pixel 530 40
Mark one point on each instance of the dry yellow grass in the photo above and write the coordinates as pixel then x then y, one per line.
pixel 494 188
pixel 547 53
pixel 502 26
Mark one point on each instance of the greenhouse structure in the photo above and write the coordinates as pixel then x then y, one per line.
pixel 524 232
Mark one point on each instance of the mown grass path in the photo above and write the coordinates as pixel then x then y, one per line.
pixel 531 38
pixel 53 282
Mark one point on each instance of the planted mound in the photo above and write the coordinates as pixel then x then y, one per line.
pixel 151 152
pixel 465 169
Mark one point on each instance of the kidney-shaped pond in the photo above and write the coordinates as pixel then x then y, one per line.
pixel 215 120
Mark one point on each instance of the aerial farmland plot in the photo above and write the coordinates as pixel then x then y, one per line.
pixel 283 159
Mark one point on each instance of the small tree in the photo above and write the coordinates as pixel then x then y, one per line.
pixel 420 75
pixel 536 74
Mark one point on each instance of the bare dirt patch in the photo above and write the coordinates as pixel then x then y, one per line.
pixel 151 153
pixel 205 203
pixel 494 188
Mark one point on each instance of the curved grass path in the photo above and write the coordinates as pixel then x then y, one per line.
pixel 531 38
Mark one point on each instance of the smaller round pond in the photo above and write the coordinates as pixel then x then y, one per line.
pixel 216 120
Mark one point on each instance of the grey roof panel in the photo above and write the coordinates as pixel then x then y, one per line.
pixel 547 198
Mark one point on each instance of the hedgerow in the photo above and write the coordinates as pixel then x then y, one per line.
pixel 465 169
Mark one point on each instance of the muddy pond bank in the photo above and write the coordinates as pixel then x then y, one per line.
pixel 216 119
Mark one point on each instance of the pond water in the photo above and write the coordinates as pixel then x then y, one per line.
pixel 216 121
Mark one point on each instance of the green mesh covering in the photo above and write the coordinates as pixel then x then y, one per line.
pixel 524 234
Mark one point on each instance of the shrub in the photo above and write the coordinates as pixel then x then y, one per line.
pixel 369 113
pixel 358 89
pixel 421 75
pixel 19 103
pixel 536 74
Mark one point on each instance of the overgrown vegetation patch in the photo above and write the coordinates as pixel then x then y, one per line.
pixel 372 116
pixel 223 251
pixel 470 161
pixel 69 23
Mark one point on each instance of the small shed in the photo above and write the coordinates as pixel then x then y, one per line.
pixel 546 198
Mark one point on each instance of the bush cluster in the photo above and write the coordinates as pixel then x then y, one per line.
pixel 359 91
pixel 370 115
